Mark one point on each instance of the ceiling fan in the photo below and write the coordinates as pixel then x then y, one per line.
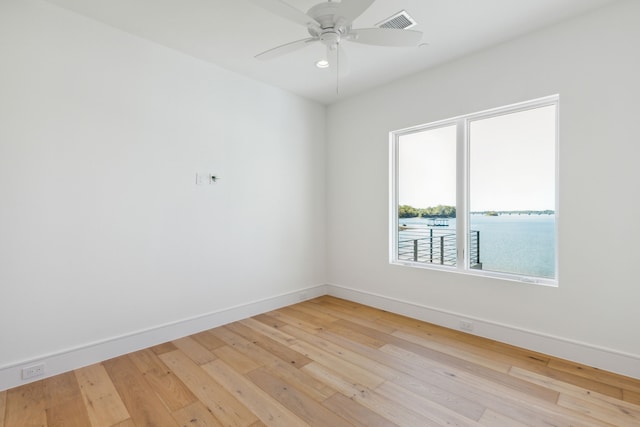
pixel 330 23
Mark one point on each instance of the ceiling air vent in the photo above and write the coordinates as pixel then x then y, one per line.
pixel 400 20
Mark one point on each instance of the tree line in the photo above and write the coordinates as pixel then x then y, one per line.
pixel 440 211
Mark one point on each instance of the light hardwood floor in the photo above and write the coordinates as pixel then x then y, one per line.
pixel 327 362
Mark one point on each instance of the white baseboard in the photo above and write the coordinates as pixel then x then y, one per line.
pixel 580 352
pixel 74 358
pixel 64 361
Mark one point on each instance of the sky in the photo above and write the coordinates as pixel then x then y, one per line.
pixel 427 168
pixel 512 163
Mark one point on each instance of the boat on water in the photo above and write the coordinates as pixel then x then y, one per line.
pixel 438 222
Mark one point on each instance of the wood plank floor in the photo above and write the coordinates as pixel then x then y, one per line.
pixel 327 362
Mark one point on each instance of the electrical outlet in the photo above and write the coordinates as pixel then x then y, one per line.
pixel 466 325
pixel 33 371
pixel 206 178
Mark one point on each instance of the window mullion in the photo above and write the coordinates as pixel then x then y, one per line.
pixel 462 215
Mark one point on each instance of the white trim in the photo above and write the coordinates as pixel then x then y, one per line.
pixel 90 353
pixel 393 196
pixel 587 354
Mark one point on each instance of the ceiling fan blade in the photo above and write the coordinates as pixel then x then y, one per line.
pixel 286 48
pixel 351 9
pixel 285 10
pixel 386 37
pixel 338 59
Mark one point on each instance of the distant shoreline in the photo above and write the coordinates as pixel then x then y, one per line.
pixel 444 212
pixel 525 212
pixel 484 213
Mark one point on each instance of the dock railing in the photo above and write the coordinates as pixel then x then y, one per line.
pixel 435 246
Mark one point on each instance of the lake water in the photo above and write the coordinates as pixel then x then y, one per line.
pixel 518 244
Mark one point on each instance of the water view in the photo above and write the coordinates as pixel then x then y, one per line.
pixel 508 243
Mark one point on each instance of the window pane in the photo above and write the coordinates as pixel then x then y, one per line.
pixel 512 192
pixel 427 196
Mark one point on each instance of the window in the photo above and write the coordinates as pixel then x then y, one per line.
pixel 477 194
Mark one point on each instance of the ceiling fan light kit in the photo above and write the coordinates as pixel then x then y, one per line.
pixel 330 23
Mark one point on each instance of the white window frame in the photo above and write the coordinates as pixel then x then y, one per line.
pixel 462 124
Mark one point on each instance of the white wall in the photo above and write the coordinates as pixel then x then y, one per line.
pixel 104 235
pixel 103 232
pixel 593 63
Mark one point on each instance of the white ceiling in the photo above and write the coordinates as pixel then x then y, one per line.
pixel 230 33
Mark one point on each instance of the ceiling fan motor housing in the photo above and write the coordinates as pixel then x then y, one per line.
pixel 332 27
pixel 330 38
